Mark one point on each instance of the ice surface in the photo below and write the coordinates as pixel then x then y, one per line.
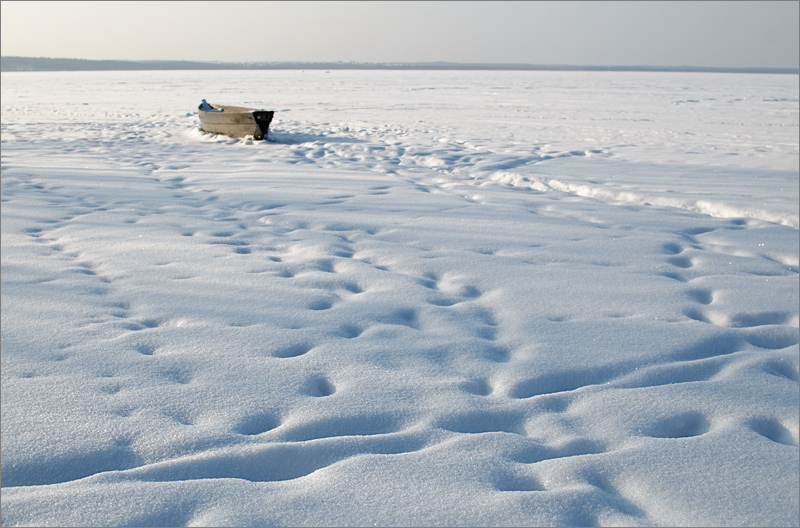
pixel 432 298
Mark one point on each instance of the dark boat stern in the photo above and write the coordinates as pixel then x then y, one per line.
pixel 263 119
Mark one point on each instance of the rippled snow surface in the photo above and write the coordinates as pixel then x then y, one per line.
pixel 430 298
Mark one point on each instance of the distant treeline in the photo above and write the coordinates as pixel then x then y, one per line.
pixel 17 64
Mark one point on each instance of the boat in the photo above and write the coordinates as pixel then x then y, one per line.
pixel 234 121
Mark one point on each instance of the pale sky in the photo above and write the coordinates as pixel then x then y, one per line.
pixel 714 34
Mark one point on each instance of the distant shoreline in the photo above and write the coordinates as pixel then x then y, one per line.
pixel 40 64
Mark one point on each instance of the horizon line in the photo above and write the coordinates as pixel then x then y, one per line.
pixel 22 63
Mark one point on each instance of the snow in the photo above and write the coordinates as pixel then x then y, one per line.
pixel 431 298
pixel 205 107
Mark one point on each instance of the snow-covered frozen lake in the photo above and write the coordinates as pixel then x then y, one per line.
pixel 431 298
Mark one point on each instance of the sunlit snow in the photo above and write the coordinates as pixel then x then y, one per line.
pixel 430 298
